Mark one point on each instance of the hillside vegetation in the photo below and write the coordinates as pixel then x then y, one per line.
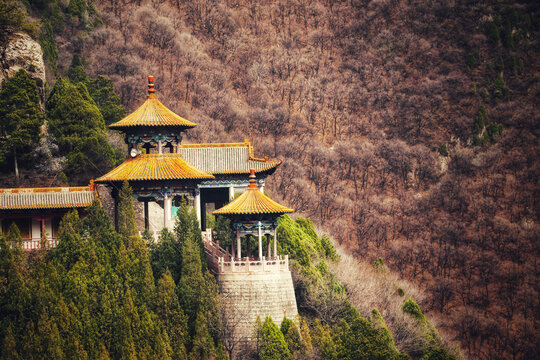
pixel 106 294
pixel 408 129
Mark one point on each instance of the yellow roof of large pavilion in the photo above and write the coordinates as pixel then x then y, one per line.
pixel 155 167
pixel 252 202
pixel 152 113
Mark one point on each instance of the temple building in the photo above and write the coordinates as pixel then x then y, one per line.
pixel 160 169
pixel 37 211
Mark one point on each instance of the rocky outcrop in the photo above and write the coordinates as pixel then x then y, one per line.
pixel 22 52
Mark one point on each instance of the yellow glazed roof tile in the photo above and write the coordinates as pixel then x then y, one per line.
pixel 154 167
pixel 46 198
pixel 252 202
pixel 152 113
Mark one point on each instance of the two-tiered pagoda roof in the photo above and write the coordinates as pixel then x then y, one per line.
pixel 188 162
pixel 252 202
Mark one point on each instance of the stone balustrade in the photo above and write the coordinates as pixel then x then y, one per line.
pixel 252 265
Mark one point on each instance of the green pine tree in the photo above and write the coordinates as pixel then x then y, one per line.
pixel 109 103
pixel 69 248
pixel 15 295
pixel 171 315
pixel 48 45
pixel 100 89
pixel 166 255
pixel 501 91
pixel 191 284
pixel 273 345
pixel 76 72
pixel 203 345
pixel 127 225
pixel 222 231
pixel 77 125
pixel 20 119
pixel 323 342
pixel 50 342
pixel 292 336
pixel 187 226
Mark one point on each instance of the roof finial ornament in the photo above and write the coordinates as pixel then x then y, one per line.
pixel 252 182
pixel 151 90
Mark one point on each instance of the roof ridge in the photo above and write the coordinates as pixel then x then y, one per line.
pixel 216 145
pixel 45 189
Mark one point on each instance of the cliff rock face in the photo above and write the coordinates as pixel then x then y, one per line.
pixel 22 52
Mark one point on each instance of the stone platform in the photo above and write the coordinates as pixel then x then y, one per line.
pixel 246 296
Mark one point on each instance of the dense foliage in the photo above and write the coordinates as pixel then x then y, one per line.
pixel 95 297
pixel 21 118
pixel 338 330
pixel 77 125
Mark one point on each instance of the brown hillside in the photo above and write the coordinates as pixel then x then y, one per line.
pixel 360 99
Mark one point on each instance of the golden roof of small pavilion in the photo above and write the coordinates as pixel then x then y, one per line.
pixel 155 167
pixel 252 202
pixel 152 113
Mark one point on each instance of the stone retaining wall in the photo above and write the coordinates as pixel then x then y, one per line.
pixel 248 296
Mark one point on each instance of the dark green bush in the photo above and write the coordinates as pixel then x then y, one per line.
pixel 492 32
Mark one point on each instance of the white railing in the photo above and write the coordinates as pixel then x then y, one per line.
pixel 35 244
pixel 250 265
pixel 222 262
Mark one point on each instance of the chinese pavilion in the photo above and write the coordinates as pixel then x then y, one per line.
pixel 254 213
pixel 160 169
pixel 168 170
pixel 252 287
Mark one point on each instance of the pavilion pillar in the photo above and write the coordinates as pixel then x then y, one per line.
pixel 146 216
pixel 275 243
pixel 238 244
pixel 268 253
pixel 167 210
pixel 231 193
pixel 43 231
pixel 260 241
pixel 197 205
pixel 232 249
pixel 160 147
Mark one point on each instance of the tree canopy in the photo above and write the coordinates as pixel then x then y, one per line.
pixel 21 119
pixel 78 127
